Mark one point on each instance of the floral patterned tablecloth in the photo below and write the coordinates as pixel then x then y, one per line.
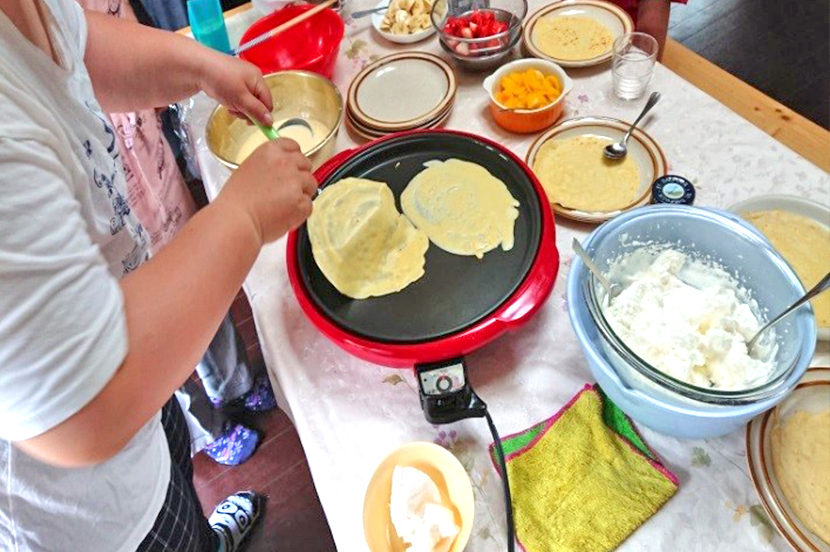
pixel 350 414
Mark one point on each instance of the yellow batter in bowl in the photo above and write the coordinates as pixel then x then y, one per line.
pixel 805 244
pixel 576 174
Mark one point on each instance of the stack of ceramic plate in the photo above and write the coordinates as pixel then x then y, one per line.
pixel 406 91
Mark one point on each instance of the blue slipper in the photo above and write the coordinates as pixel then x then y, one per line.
pixel 261 397
pixel 236 444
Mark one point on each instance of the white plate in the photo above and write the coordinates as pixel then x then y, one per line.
pixel 812 394
pixel 402 91
pixel 642 148
pixel 792 204
pixel 609 15
pixel 377 19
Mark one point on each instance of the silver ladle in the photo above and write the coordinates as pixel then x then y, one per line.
pixel 612 289
pixel 619 150
pixel 823 285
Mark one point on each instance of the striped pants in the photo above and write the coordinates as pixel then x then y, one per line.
pixel 180 526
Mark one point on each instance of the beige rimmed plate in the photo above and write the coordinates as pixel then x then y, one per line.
pixel 449 476
pixel 795 205
pixel 402 91
pixel 612 17
pixel 812 393
pixel 644 150
pixel 371 134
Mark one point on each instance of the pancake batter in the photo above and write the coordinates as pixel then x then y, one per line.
pixel 461 207
pixel 576 174
pixel 801 459
pixel 360 241
pixel 572 38
pixel 307 140
pixel 805 244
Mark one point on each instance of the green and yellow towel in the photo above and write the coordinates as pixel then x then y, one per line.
pixel 583 480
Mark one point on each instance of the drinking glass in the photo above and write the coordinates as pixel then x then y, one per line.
pixel 633 62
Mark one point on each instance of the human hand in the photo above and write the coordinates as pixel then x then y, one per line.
pixel 274 187
pixel 239 86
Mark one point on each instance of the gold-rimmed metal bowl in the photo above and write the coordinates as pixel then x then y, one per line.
pixel 296 94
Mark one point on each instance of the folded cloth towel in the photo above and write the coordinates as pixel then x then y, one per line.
pixel 583 480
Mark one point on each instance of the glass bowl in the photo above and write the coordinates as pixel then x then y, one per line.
pixel 652 397
pixel 486 49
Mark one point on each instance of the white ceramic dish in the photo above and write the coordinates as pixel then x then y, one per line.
pixel 792 204
pixel 644 150
pixel 402 91
pixel 615 19
pixel 377 19
pixel 812 394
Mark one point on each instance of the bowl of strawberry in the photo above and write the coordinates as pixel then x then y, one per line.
pixel 479 33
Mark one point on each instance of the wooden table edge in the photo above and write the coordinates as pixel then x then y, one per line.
pixel 782 123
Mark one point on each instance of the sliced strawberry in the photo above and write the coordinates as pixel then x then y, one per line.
pixel 466 32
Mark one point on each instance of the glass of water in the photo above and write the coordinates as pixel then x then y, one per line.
pixel 633 64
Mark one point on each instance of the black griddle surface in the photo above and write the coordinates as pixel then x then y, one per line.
pixel 455 292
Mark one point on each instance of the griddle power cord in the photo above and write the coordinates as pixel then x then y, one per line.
pixel 508 503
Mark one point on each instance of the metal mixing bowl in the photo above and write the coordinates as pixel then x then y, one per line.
pixel 296 94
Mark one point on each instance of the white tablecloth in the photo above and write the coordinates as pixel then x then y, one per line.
pixel 350 414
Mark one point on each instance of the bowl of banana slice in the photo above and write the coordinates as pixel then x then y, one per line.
pixel 404 21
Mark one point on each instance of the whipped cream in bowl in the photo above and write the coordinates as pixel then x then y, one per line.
pixel 689 319
pixel 697 284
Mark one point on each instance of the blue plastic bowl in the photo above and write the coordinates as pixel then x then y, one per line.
pixel 650 397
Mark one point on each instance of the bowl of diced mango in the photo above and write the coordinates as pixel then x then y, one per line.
pixel 527 95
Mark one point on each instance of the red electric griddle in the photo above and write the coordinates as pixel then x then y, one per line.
pixel 461 303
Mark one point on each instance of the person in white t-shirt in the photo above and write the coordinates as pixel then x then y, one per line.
pixel 94 337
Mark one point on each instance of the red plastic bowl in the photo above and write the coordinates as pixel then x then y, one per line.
pixel 311 45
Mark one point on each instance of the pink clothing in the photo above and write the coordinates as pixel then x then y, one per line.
pixel 156 190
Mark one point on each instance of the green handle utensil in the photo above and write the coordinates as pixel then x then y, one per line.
pixel 269 131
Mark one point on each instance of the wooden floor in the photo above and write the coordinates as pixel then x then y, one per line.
pixel 780 47
pixel 293 519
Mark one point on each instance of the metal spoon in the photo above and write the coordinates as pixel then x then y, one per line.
pixel 618 150
pixel 612 289
pixel 364 13
pixel 820 287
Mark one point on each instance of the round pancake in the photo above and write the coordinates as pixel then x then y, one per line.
pixel 461 207
pixel 576 174
pixel 360 241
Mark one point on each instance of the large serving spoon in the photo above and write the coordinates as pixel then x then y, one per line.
pixel 823 285
pixel 283 27
pixel 612 289
pixel 619 150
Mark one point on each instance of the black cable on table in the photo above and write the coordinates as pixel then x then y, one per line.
pixel 508 503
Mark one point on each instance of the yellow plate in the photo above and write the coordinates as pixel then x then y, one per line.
pixel 447 473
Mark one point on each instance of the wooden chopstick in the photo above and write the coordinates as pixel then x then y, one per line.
pixel 287 25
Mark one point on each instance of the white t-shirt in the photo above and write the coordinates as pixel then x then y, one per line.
pixel 66 236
